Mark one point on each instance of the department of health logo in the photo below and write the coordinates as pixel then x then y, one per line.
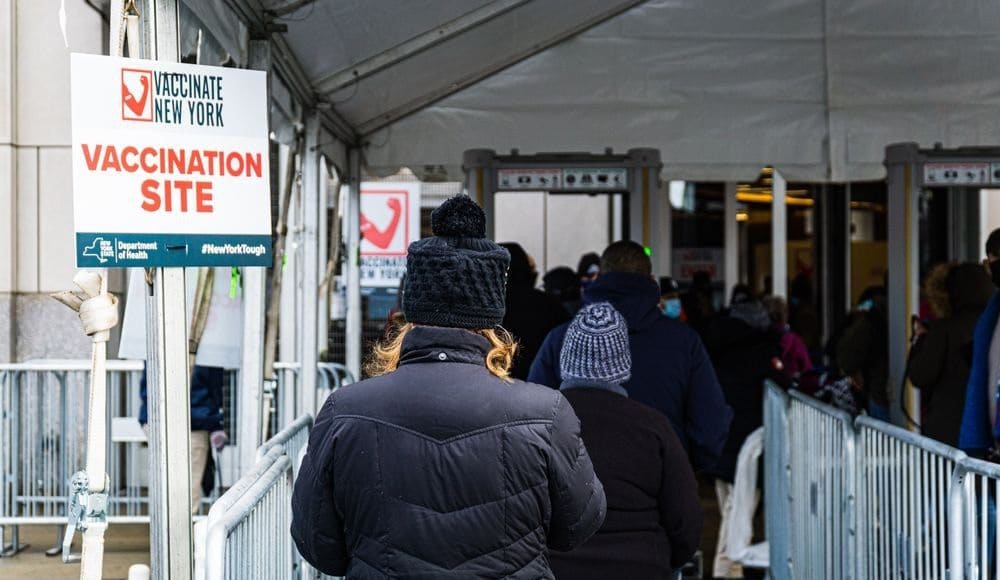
pixel 137 94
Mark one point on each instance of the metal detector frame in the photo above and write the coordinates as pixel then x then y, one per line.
pixel 646 213
pixel 909 170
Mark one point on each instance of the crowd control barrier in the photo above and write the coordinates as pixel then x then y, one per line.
pixel 251 539
pixel 43 418
pixel 777 487
pixel 860 498
pixel 822 457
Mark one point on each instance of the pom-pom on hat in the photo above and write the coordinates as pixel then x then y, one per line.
pixel 457 278
pixel 596 348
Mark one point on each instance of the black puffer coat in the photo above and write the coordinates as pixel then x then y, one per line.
pixel 441 470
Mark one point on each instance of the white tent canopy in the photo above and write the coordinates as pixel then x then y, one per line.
pixel 816 88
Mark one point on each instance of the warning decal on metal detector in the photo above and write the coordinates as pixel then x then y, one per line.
pixel 170 164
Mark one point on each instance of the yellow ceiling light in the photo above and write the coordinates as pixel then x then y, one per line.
pixel 742 216
pixel 748 197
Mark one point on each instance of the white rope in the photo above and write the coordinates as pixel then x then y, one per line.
pixel 99 314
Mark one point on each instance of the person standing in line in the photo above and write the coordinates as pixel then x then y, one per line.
pixel 654 519
pixel 530 313
pixel 745 352
pixel 671 371
pixel 941 355
pixel 670 299
pixel 863 352
pixel 441 466
pixel 978 433
pixel 794 353
pixel 206 423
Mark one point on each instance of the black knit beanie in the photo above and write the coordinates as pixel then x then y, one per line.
pixel 457 278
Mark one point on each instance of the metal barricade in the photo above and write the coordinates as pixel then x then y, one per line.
pixel 903 510
pixel 284 398
pixel 822 479
pixel 777 491
pixel 972 519
pixel 43 439
pixel 251 539
pixel 293 439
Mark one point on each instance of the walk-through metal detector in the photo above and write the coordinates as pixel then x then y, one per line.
pixel 935 197
pixel 635 175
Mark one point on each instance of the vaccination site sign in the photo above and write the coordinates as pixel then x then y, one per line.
pixel 390 220
pixel 170 164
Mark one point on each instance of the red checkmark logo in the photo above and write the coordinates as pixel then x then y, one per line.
pixel 134 106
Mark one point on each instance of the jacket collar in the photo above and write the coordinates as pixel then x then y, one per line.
pixel 599 385
pixel 423 344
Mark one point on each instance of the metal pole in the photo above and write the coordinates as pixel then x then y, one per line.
pixel 352 266
pixel 167 368
pixel 310 267
pixel 323 257
pixel 779 237
pixel 731 244
pixel 250 398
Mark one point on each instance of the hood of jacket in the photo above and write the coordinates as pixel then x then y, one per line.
pixel 635 296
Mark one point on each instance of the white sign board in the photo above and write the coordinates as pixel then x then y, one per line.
pixel 170 164
pixel 688 261
pixel 220 344
pixel 390 220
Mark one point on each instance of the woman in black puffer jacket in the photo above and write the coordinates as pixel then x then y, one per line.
pixel 441 466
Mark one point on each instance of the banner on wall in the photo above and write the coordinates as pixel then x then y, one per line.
pixel 390 220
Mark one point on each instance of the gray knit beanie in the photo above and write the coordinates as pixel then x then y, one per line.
pixel 596 348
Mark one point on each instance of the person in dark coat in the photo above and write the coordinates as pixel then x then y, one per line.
pixel 563 284
pixel 863 351
pixel 654 519
pixel 441 466
pixel 671 371
pixel 745 353
pixel 531 313
pixel 206 426
pixel 942 354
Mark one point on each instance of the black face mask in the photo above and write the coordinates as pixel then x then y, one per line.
pixel 995 272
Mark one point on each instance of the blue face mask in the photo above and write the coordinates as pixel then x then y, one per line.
pixel 672 308
pixel 867 305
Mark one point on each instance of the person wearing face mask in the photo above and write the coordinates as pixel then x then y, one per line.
pixel 978 434
pixel 531 313
pixel 670 299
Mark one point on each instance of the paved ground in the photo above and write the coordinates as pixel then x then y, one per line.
pixel 124 545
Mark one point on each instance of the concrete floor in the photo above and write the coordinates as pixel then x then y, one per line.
pixel 124 545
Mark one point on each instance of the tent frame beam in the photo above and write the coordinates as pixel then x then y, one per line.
pixel 367 128
pixel 465 23
pixel 288 67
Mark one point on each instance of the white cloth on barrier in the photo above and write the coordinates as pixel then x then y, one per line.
pixel 743 503
pixel 220 345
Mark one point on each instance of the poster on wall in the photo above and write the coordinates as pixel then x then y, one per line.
pixel 390 220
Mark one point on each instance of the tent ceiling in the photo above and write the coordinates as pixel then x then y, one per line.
pixel 815 87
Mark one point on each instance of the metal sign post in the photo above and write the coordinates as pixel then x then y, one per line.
pixel 169 389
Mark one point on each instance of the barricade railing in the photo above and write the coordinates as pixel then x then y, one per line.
pixel 822 481
pixel 860 498
pixel 976 487
pixel 43 418
pixel 251 539
pixel 904 484
pixel 777 490
pixel 292 438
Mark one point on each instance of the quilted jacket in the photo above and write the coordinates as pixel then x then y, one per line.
pixel 441 470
